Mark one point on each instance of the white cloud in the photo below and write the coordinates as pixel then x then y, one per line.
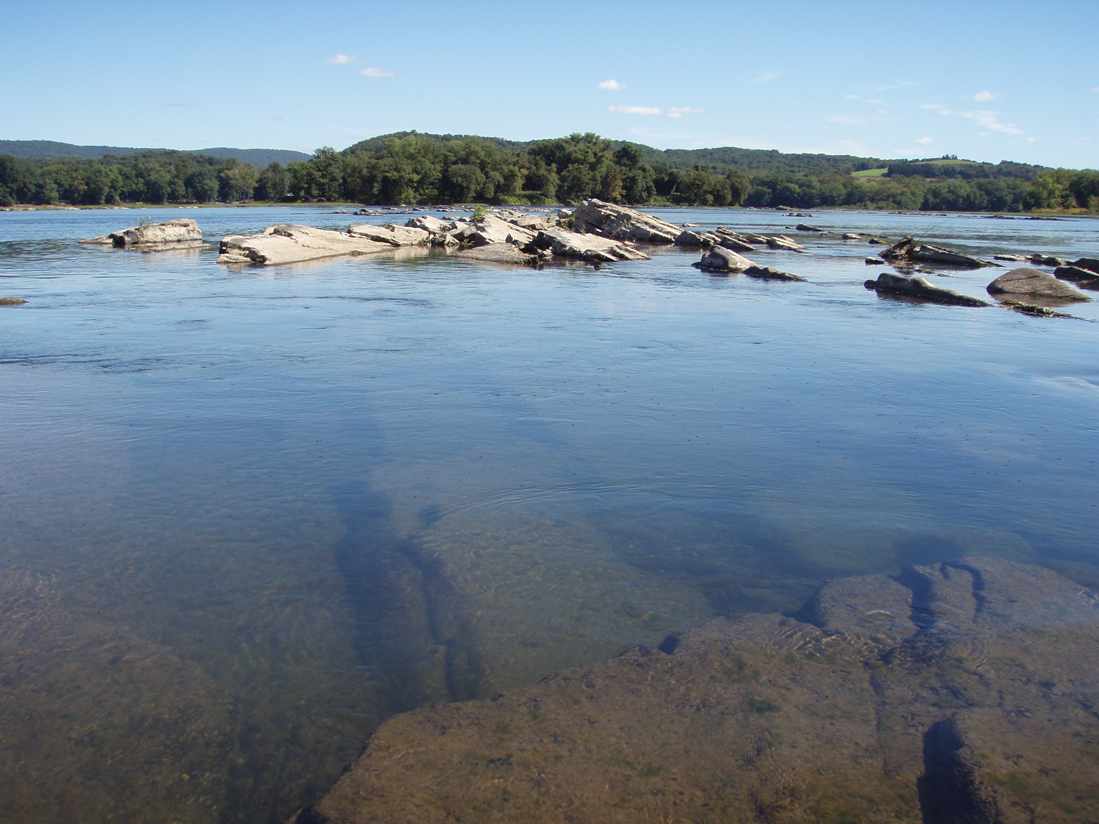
pixel 766 77
pixel 375 72
pixel 340 59
pixel 925 141
pixel 644 111
pixel 984 97
pixel 611 85
pixel 677 112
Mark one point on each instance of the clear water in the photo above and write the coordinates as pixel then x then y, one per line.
pixel 246 515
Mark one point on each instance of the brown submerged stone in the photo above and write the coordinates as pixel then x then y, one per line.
pixel 960 692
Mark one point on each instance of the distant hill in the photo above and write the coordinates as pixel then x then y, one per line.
pixel 747 160
pixel 50 149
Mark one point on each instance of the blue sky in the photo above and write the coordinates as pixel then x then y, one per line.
pixel 987 80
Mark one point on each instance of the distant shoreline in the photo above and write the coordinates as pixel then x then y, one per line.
pixel 400 209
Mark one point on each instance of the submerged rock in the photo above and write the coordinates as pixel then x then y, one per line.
pixel 622 223
pixel 919 289
pixel 1046 260
pixel 960 691
pixel 767 273
pixel 295 244
pixel 722 260
pixel 913 251
pixel 12 301
pixel 805 227
pixel 1015 258
pixel 170 234
pixel 851 236
pixel 1024 308
pixel 1035 284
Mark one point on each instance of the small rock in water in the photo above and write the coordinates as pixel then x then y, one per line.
pixel 767 273
pixel 1035 284
pixel 12 301
pixel 919 289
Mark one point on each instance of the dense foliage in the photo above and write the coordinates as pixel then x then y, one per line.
pixel 416 168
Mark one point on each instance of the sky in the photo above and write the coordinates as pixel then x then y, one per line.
pixel 1002 80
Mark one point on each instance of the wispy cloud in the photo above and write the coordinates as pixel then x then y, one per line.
pixel 925 141
pixel 644 111
pixel 766 77
pixel 986 119
pixel 984 97
pixel 677 112
pixel 846 120
pixel 1032 140
pixel 674 112
pixel 340 59
pixel 375 72
pixel 611 85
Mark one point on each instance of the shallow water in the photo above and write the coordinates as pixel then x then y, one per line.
pixel 248 514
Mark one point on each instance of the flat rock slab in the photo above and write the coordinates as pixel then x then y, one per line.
pixel 784 243
pixel 960 687
pixel 1036 285
pixel 622 223
pixel 919 289
pixel 285 243
pixel 393 235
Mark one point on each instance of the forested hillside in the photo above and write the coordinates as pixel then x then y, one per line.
pixel 421 168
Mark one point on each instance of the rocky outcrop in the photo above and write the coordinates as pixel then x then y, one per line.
pixel 12 301
pixel 391 234
pixel 1036 285
pixel 171 234
pixel 690 239
pixel 1046 260
pixel 1091 264
pixel 805 227
pixel 491 229
pixel 962 691
pixel 910 251
pixel 430 224
pixel 507 253
pixel 919 289
pixel 294 244
pixel 721 260
pixel 622 223
pixel 1014 258
pixel 1084 278
pixel 767 273
pixel 736 241
pixel 589 248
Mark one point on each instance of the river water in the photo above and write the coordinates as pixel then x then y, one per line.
pixel 248 514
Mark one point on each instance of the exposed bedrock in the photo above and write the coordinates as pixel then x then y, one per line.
pixel 910 251
pixel 295 244
pixel 957 692
pixel 622 223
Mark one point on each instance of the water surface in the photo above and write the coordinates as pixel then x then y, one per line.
pixel 250 513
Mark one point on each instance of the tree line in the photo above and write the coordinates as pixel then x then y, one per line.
pixel 413 168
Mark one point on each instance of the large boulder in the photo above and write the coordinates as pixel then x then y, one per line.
pixel 589 248
pixel 1035 284
pixel 294 244
pixel 961 691
pixel 910 251
pixel 170 234
pixel 393 235
pixel 723 261
pixel 622 223
pixel 919 289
